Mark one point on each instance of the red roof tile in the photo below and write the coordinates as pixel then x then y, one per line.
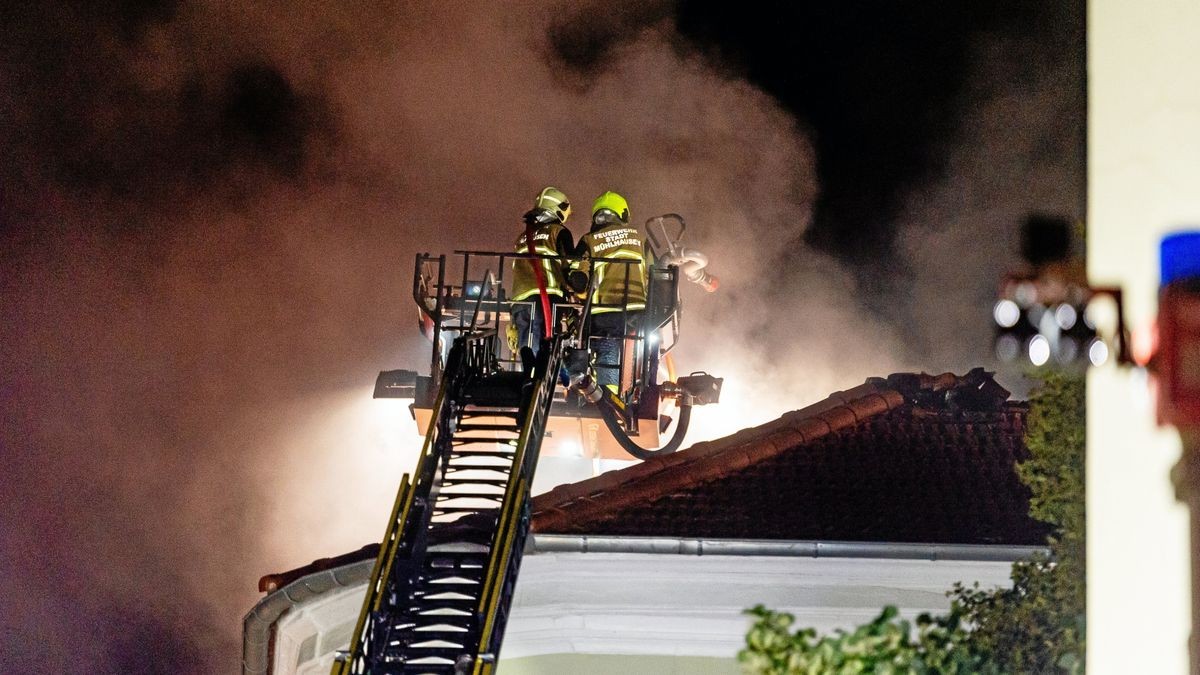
pixel 909 458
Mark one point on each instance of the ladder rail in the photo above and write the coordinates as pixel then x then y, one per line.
pixel 383 560
pixel 441 588
pixel 515 507
pixel 394 632
pixel 381 572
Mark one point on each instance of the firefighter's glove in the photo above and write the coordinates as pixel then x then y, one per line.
pixel 577 281
pixel 567 321
pixel 514 338
pixel 576 362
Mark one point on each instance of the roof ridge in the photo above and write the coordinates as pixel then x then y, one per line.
pixel 709 460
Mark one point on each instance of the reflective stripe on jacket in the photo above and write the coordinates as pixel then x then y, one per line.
pixel 612 279
pixel 545 242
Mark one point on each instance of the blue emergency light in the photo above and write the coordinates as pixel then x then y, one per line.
pixel 1179 257
pixel 1176 362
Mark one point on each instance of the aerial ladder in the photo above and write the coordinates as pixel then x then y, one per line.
pixel 442 584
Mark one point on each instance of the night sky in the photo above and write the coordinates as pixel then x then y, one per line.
pixel 208 212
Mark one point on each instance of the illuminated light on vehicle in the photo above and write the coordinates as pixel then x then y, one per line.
pixel 1065 316
pixel 652 338
pixel 1098 352
pixel 1039 350
pixel 1008 347
pixel 1006 313
pixel 1026 293
pixel 1035 314
pixel 570 447
pixel 1100 314
pixel 1143 343
pixel 1068 350
pixel 473 290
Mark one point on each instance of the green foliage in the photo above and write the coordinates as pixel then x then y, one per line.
pixel 1037 626
pixel 1056 437
pixel 1032 627
pixel 885 645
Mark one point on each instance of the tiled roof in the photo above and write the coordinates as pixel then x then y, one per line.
pixel 909 458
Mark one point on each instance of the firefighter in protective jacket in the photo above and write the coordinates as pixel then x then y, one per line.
pixel 616 286
pixel 545 229
pixel 615 255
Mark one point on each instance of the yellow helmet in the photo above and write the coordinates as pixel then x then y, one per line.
pixel 615 206
pixel 553 201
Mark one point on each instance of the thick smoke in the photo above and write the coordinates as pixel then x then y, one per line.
pixel 1018 150
pixel 209 217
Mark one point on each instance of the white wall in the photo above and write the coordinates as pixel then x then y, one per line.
pixel 1144 180
pixel 657 613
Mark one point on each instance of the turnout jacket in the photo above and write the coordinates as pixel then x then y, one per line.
pixel 616 285
pixel 552 239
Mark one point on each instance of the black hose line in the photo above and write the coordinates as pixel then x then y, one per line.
pixel 614 427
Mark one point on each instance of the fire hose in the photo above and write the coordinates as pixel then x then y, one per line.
pixel 539 274
pixel 699 388
pixel 608 412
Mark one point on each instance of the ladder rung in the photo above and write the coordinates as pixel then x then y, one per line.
pixel 426 658
pixel 466 603
pixel 461 441
pixel 487 460
pixel 492 496
pixel 441 611
pixel 468 571
pixel 474 565
pixel 448 482
pixel 442 595
pixel 478 410
pixel 443 626
pixel 435 644
pixel 433 554
pixel 463 612
pixel 510 428
pixel 503 468
pixel 507 454
pixel 416 639
pixel 453 580
pixel 433 575
pixel 441 667
pixel 461 545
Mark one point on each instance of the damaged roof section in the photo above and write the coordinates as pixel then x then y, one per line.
pixel 908 458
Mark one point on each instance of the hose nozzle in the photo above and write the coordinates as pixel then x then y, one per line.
pixel 708 282
pixel 692 263
pixel 696 389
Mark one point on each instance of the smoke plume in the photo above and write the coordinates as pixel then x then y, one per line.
pixel 1018 150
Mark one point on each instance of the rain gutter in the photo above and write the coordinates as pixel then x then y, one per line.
pixel 559 543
